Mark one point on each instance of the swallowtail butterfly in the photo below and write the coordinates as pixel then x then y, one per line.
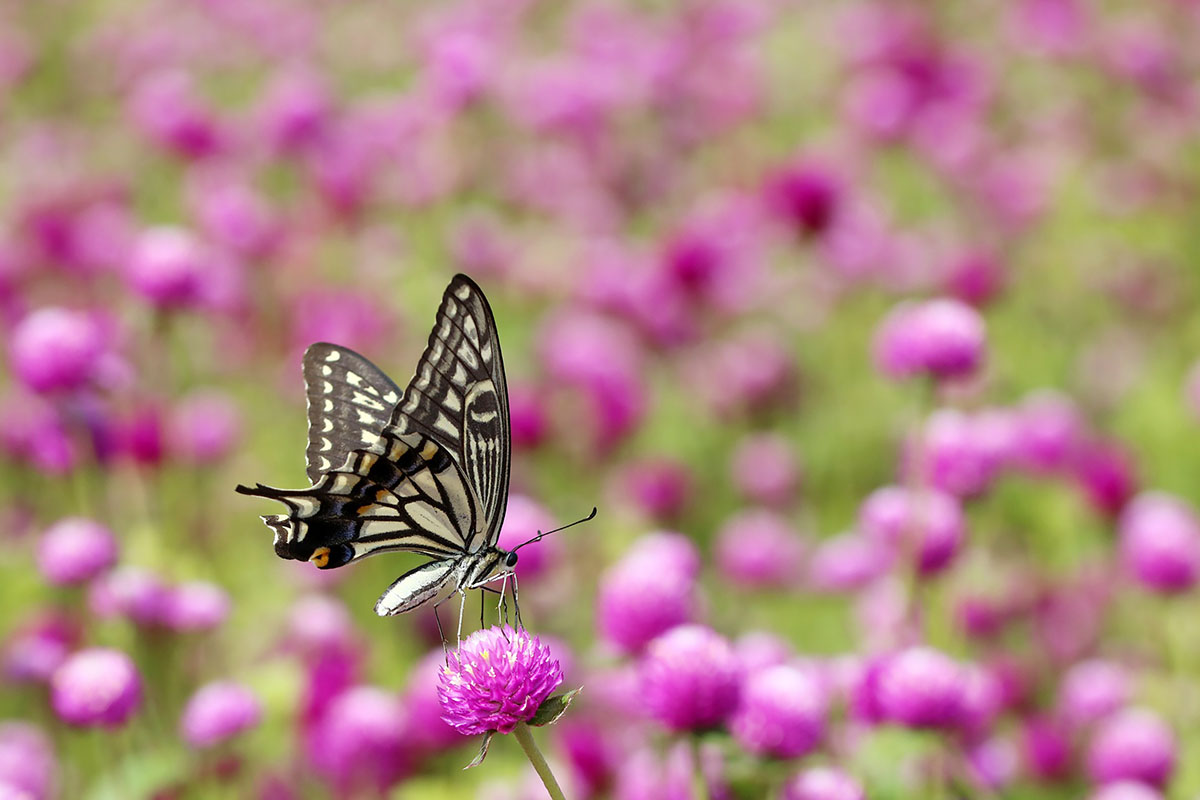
pixel 424 471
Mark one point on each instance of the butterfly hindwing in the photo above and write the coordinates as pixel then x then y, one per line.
pixel 350 400
pixel 459 396
pixel 401 493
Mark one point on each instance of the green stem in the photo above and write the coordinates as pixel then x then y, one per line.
pixel 525 737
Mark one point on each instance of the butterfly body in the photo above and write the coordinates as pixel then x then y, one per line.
pixel 423 471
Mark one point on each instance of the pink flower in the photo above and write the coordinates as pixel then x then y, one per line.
pixel 217 712
pixel 56 349
pixel 495 679
pixel 75 550
pixel 690 678
pixel 96 687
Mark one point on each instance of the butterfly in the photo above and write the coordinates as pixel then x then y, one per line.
pixel 425 470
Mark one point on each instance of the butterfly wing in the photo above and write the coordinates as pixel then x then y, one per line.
pixel 404 492
pixel 459 398
pixel 350 400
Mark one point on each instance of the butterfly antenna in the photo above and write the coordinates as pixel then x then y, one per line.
pixel 541 535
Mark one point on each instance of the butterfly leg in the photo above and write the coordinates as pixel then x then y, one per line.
pixel 462 607
pixel 517 604
pixel 502 606
pixel 441 634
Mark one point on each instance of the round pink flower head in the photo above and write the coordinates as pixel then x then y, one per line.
pixel 823 783
pixel 1134 745
pixel 951 455
pixel 131 592
pixel 640 598
pixel 922 688
pixel 805 195
pixel 1160 542
pixel 1125 790
pixel 943 338
pixel 522 521
pixel 204 427
pixel 96 687
pixel 765 471
pixel 28 768
pixel 38 647
pixel 1106 473
pixel 846 562
pixel 194 606
pixel 361 741
pixel 56 349
pixel 218 712
pixel 74 550
pixel 782 712
pixel 932 519
pixel 1092 690
pixel 1046 748
pixel 759 548
pixel 168 267
pixel 1049 431
pixel 690 678
pixel 495 679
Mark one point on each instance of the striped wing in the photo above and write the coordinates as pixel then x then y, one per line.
pixel 404 492
pixel 349 402
pixel 458 397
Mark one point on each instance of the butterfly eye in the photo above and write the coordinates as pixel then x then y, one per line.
pixel 510 560
pixel 320 557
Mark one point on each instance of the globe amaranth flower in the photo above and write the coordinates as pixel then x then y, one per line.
pixel 648 592
pixel 74 550
pixel 218 712
pixel 96 687
pixel 1092 690
pixel 922 688
pixel 691 678
pixel 1160 542
pixel 496 679
pixel 1133 745
pixel 765 470
pixel 782 712
pixel 823 783
pixel 56 349
pixel 929 524
pixel 361 740
pixel 759 548
pixel 941 337
pixel 28 768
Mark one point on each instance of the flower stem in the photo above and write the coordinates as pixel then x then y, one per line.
pixel 525 737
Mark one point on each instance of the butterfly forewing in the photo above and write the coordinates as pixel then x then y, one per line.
pixel 350 400
pixel 459 396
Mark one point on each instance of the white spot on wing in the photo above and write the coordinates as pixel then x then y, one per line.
pixel 326 370
pixel 334 355
pixel 390 398
pixel 326 425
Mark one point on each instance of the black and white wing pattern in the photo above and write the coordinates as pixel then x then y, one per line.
pixel 349 402
pixel 459 397
pixel 433 478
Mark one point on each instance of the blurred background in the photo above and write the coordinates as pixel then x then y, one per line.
pixel 869 328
